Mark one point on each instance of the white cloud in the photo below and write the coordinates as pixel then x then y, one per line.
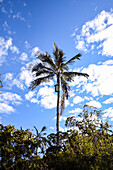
pixel 25 76
pixel 19 16
pixel 108 101
pixel 63 118
pixel 99 30
pixel 5 108
pixel 81 45
pixel 77 99
pixel 27 45
pixel 94 104
pixel 4 47
pixel 108 113
pixel 14 49
pixel 7 97
pixel 23 57
pixel 100 81
pixel 76 111
pixel 35 50
pixel 31 96
pixel 11 81
pixel 48 97
pixel 45 96
pixel 8 76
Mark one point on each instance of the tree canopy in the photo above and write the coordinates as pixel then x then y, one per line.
pixel 87 144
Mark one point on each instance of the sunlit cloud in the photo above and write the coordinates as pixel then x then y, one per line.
pixel 8 97
pixel 5 108
pixel 94 104
pixel 76 111
pixel 100 80
pixel 23 56
pixel 97 34
pixel 108 113
pixel 4 47
pixel 77 100
pixel 108 101
pixel 48 97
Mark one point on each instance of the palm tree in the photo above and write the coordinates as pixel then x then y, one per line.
pixel 48 68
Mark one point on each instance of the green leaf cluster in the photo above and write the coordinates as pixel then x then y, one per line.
pixel 87 144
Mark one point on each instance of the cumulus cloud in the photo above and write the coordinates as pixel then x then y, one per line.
pixel 35 50
pixel 7 97
pixel 31 96
pixel 22 80
pixel 4 47
pixel 23 56
pixel 25 76
pixel 94 104
pixel 5 108
pixel 45 96
pixel 77 99
pixel 97 34
pixel 14 49
pixel 100 80
pixel 108 113
pixel 11 81
pixel 76 111
pixel 108 101
pixel 48 97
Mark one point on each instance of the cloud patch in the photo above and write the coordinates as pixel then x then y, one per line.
pixel 100 81
pixel 7 97
pixel 48 97
pixel 108 113
pixel 5 108
pixel 97 34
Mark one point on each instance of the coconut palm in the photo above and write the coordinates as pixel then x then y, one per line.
pixel 59 67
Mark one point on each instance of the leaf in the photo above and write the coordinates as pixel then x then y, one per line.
pixel 72 59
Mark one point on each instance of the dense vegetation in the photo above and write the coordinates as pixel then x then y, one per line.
pixel 87 144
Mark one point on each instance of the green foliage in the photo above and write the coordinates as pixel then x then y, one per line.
pixel 88 144
pixel 19 148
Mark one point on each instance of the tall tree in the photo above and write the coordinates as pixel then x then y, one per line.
pixel 59 67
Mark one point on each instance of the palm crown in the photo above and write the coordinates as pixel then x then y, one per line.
pixel 59 67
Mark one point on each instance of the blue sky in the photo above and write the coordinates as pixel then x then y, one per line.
pixel 76 26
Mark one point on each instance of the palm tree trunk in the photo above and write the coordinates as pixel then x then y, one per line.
pixel 58 107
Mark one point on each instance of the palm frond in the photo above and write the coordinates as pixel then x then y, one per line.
pixel 72 60
pixel 41 66
pixel 42 72
pixel 36 130
pixel 40 80
pixel 43 129
pixel 55 52
pixel 59 56
pixel 65 87
pixel 73 74
pixel 46 58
